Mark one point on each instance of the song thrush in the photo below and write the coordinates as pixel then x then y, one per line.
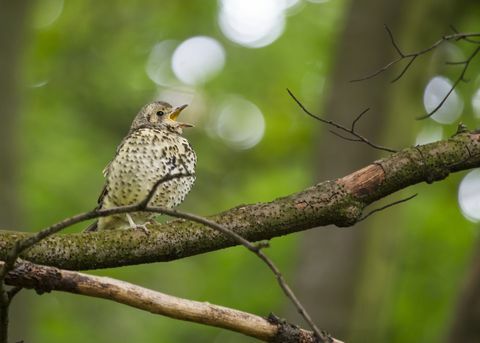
pixel 153 148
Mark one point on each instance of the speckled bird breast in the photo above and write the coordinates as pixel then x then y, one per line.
pixel 146 156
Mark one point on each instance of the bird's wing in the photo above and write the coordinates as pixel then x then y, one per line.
pixel 94 226
pixel 105 171
pixel 102 195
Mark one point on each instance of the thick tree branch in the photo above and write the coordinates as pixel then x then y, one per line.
pixel 339 202
pixel 46 279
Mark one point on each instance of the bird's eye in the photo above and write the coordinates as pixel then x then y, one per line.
pixel 160 113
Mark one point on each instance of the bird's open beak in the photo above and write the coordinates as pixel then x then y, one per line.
pixel 176 112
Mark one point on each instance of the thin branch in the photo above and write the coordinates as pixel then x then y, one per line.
pixel 164 179
pixel 411 57
pixel 143 206
pixel 46 279
pixel 4 309
pixel 254 249
pixel 350 139
pixel 460 78
pixel 28 242
pixel 350 131
pixel 402 56
pixel 386 206
pixel 404 70
pixel 6 298
pixel 12 292
pixel 392 40
pixel 464 38
pixel 23 244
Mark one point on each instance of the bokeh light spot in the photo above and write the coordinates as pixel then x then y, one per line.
pixel 469 196
pixel 239 123
pixel 158 64
pixel 436 90
pixel 46 13
pixel 429 134
pixel 476 103
pixel 291 4
pixel 252 23
pixel 39 84
pixel 198 59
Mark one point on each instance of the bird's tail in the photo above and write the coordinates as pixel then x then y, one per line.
pixel 92 228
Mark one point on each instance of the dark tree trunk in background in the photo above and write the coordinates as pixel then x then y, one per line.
pixel 12 17
pixel 330 260
pixel 13 24
pixel 466 324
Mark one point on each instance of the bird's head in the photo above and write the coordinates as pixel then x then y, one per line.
pixel 160 115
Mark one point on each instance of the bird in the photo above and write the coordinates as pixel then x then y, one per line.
pixel 153 149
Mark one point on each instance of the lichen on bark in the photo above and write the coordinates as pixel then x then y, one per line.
pixel 339 202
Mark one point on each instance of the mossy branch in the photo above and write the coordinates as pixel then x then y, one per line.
pixel 339 202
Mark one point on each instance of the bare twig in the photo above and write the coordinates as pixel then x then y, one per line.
pixel 323 336
pixel 4 307
pixel 351 131
pixel 467 39
pixel 460 78
pixel 411 57
pixel 386 206
pixel 24 244
pixel 164 179
pixel 12 292
pixel 5 300
pixel 46 279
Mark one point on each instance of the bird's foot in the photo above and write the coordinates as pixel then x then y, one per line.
pixel 142 227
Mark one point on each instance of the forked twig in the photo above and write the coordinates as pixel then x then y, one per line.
pixel 356 137
pixel 411 57
pixel 461 77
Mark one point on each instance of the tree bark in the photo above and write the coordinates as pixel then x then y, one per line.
pixel 338 202
pixel 47 279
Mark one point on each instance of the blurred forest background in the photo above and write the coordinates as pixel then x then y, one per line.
pixel 74 73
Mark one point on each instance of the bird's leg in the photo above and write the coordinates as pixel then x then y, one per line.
pixel 151 221
pixel 132 224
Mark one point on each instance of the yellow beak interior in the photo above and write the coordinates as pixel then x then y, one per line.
pixel 176 112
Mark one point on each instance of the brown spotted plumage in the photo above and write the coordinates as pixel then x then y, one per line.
pixel 153 149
